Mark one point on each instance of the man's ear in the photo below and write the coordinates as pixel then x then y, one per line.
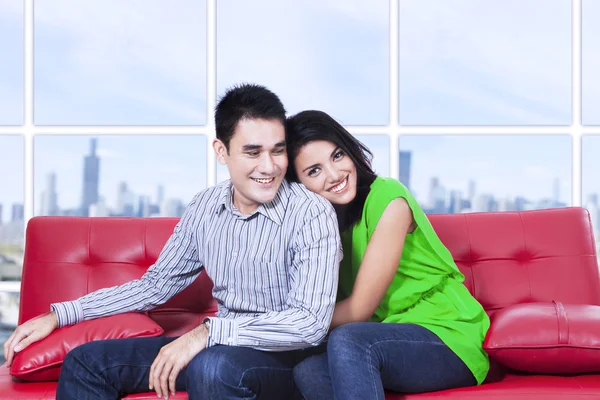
pixel 220 151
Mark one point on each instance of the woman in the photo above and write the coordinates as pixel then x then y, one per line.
pixel 395 270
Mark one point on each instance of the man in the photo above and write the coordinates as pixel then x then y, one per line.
pixel 272 250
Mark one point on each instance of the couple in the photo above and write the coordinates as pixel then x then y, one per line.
pixel 400 317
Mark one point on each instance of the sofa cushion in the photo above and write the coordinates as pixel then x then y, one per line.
pixel 42 361
pixel 548 338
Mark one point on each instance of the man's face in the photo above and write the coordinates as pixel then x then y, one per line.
pixel 257 162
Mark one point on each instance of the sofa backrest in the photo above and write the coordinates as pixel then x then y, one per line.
pixel 68 257
pixel 507 258
pixel 519 257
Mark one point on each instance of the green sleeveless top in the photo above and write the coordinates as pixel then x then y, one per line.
pixel 427 289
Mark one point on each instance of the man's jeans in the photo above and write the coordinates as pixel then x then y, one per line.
pixel 108 369
pixel 363 358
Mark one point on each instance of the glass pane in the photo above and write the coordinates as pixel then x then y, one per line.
pixel 11 62
pixel 318 54
pixel 378 144
pixel 380 147
pixel 135 176
pixel 590 149
pixel 11 232
pixel 120 62
pixel 464 173
pixel 590 48
pixel 473 62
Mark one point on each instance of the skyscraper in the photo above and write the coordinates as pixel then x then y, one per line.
pixel 49 196
pixel 405 159
pixel 555 192
pixel 18 212
pixel 91 175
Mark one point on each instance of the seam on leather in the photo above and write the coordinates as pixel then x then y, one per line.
pixel 145 239
pixel 563 323
pixel 89 260
pixel 526 263
pixel 470 256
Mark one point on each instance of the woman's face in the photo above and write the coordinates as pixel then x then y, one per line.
pixel 327 170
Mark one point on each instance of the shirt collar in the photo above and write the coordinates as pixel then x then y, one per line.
pixel 274 210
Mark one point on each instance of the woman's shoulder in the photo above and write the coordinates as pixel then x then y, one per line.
pixel 387 188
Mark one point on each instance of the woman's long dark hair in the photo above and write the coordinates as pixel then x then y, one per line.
pixel 311 125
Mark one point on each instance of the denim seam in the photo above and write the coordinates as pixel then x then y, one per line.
pixel 392 340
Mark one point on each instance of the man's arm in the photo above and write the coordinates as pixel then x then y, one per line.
pixel 310 302
pixel 178 264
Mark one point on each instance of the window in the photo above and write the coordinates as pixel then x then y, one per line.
pixel 591 183
pixel 107 106
pixel 446 176
pixel 11 230
pixel 469 62
pixel 11 60
pixel 124 63
pixel 590 63
pixel 93 176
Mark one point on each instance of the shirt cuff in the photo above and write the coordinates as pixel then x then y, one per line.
pixel 68 312
pixel 222 331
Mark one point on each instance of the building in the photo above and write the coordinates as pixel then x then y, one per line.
pixel 405 161
pixel 18 212
pixel 50 196
pixel 91 178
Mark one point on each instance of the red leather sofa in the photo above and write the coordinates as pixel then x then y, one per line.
pixel 508 258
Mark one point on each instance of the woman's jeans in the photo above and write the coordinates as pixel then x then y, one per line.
pixel 109 369
pixel 364 358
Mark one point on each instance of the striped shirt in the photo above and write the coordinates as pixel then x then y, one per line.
pixel 275 271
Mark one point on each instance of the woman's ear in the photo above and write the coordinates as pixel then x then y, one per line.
pixel 220 151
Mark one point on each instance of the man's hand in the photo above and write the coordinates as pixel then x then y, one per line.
pixel 174 357
pixel 30 332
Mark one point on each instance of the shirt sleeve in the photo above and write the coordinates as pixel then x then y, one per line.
pixel 178 264
pixel 310 303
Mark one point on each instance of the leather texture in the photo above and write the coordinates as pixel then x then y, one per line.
pixel 42 361
pixel 508 258
pixel 550 338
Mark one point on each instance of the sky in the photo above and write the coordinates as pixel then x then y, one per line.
pixel 590 74
pixel 591 165
pixel 473 62
pixel 11 172
pixel 135 62
pixel 11 62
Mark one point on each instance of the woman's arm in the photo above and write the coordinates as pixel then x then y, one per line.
pixel 379 265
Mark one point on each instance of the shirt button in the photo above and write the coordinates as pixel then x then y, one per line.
pixel 256 343
pixel 230 340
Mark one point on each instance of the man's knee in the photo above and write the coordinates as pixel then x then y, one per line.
pixel 346 337
pixel 212 368
pixel 82 355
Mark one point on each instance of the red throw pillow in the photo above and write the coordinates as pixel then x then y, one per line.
pixel 546 338
pixel 42 361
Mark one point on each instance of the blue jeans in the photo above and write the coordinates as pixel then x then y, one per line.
pixel 109 369
pixel 364 358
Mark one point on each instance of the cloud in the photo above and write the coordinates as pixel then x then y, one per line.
pixel 516 68
pixel 314 54
pixel 142 53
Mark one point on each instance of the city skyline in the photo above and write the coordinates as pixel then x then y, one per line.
pixel 177 162
pixel 423 148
